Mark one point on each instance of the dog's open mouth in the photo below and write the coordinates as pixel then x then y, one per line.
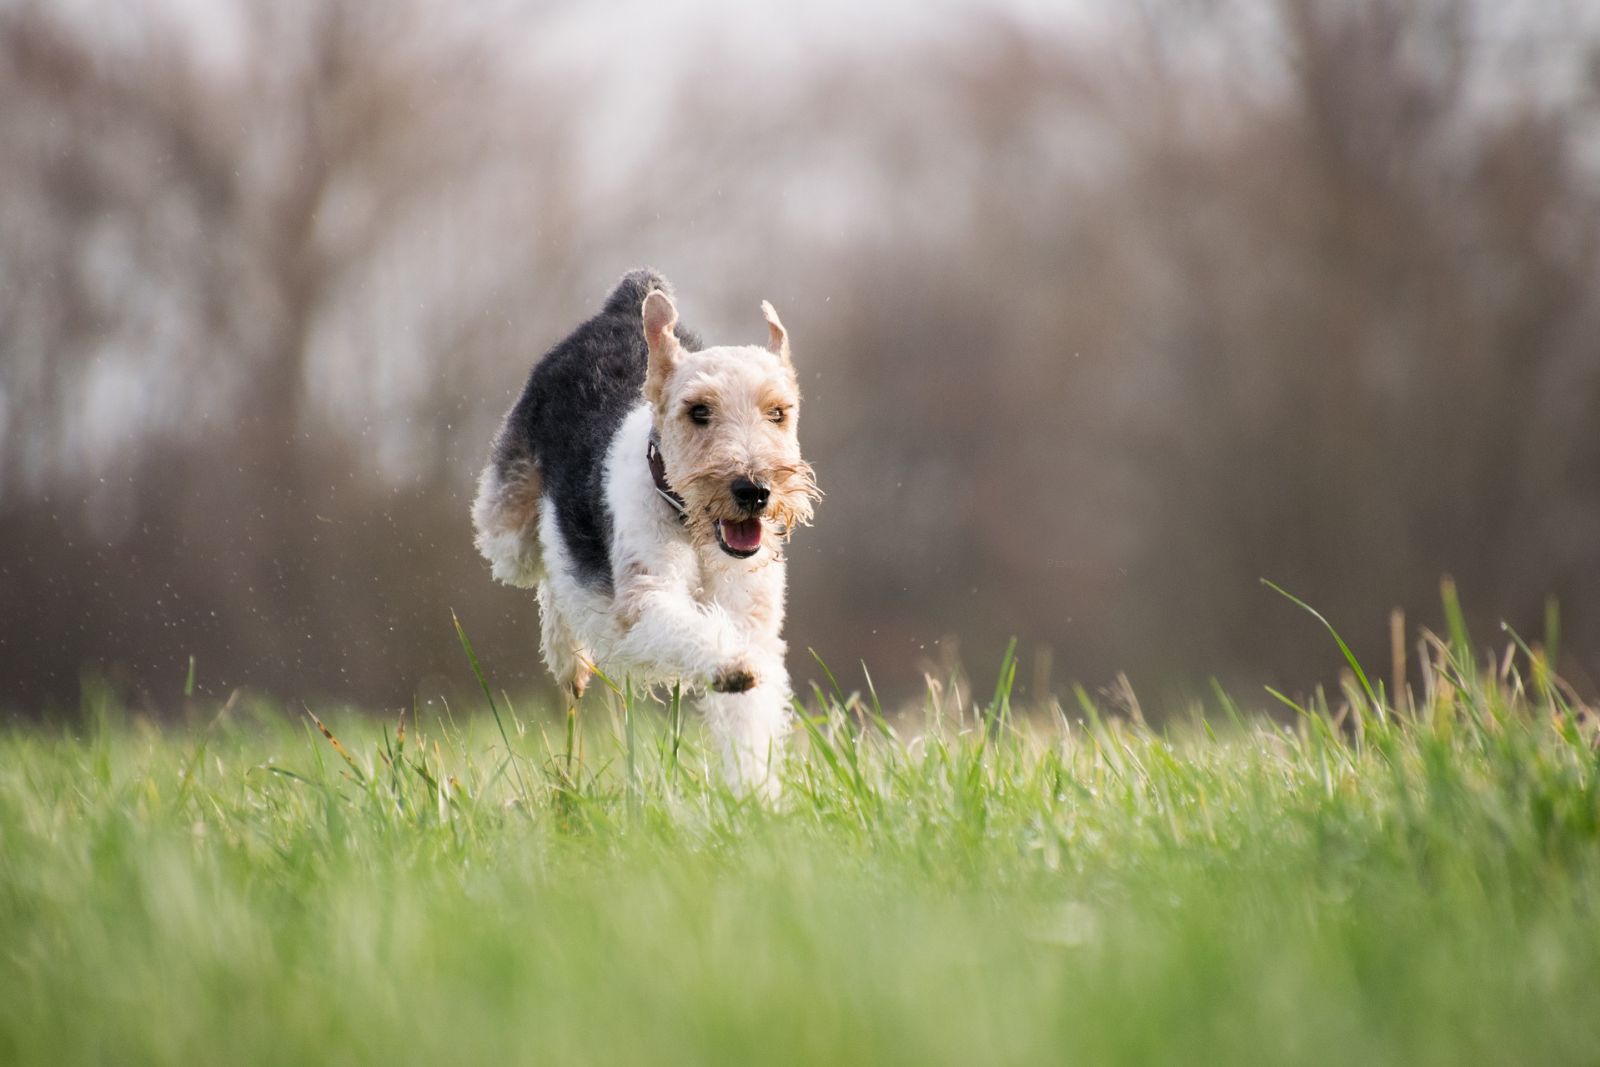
pixel 739 537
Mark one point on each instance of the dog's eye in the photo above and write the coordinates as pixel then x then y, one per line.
pixel 700 415
pixel 778 414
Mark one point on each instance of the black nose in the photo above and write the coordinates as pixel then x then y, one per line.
pixel 748 495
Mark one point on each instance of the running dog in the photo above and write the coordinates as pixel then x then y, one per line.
pixel 645 484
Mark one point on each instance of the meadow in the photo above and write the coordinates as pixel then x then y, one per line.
pixel 1363 877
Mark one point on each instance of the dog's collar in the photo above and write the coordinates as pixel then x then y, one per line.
pixel 658 474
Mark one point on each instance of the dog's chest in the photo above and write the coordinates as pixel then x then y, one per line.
pixel 749 590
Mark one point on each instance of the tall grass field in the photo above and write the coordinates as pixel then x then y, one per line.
pixel 1365 877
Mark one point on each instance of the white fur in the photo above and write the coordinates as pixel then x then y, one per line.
pixel 509 551
pixel 678 613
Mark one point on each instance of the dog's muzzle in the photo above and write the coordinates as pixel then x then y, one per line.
pixel 741 538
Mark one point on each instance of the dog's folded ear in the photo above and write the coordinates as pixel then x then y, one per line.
pixel 777 336
pixel 659 319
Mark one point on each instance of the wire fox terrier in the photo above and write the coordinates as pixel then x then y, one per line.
pixel 657 479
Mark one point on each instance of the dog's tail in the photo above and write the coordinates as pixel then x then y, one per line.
pixel 628 296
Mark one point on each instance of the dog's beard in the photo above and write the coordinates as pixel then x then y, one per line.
pixel 715 518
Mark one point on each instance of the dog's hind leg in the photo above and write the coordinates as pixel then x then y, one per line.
pixel 569 662
pixel 505 517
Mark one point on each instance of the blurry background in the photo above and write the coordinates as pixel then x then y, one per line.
pixel 1104 311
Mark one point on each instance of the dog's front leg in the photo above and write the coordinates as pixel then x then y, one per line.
pixel 662 626
pixel 749 728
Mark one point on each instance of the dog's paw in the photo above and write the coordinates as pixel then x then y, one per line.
pixel 735 678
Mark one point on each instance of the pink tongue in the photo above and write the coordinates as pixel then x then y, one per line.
pixel 742 536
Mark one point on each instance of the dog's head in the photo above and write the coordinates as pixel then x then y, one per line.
pixel 726 418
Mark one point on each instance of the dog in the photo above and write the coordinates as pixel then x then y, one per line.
pixel 645 485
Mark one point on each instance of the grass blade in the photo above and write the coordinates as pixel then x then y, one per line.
pixel 488 694
pixel 1349 656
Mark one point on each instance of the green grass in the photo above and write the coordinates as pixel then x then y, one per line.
pixel 1368 884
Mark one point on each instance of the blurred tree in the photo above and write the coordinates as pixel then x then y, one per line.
pixel 192 243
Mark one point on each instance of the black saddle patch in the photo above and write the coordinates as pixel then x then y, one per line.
pixel 573 404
